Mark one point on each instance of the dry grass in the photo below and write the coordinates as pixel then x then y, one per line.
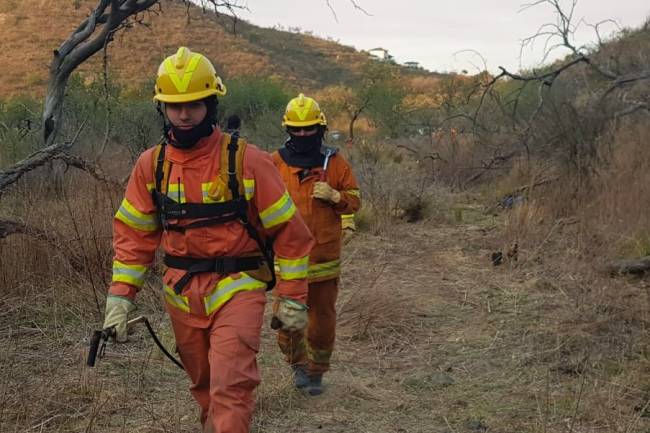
pixel 595 329
pixel 431 337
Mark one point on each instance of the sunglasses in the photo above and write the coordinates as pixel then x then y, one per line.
pixel 294 129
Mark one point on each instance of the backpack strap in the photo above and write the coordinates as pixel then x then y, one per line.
pixel 235 172
pixel 161 168
pixel 230 184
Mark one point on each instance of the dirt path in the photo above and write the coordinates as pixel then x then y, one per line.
pixel 432 338
pixel 426 353
pixel 446 343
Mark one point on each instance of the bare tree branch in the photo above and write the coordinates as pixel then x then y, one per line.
pixel 354 4
pixel 10 227
pixel 493 163
pixel 91 168
pixel 329 5
pixel 633 109
pixel 84 42
pixel 359 8
pixel 37 159
pixel 596 28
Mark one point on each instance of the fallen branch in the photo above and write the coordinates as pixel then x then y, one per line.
pixel 36 159
pixel 489 165
pixel 53 239
pixel 634 266
pixel 536 184
pixel 9 227
pixel 89 167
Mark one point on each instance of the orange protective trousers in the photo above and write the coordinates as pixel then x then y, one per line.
pixel 221 362
pixel 320 334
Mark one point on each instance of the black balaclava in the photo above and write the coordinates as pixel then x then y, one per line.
pixel 304 152
pixel 185 139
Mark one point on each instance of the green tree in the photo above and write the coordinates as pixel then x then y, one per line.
pixel 259 103
pixel 377 97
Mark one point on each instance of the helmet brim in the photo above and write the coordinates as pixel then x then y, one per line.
pixel 305 123
pixel 189 97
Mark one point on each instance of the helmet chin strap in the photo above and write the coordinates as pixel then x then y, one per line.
pixel 165 123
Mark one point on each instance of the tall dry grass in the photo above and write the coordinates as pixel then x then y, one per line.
pixel 567 231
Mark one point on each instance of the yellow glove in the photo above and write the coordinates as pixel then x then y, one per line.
pixel 291 314
pixel 117 311
pixel 324 191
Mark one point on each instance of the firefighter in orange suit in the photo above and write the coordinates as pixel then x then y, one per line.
pixel 211 201
pixel 323 188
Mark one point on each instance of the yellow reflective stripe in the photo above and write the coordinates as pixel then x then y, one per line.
pixel 249 188
pixel 249 191
pixel 133 218
pixel 182 83
pixel 279 212
pixel 130 274
pixel 327 269
pixel 347 221
pixel 227 288
pixel 320 356
pixel 176 191
pixel 178 301
pixel 354 192
pixel 205 191
pixel 293 269
pixel 302 112
pixel 151 186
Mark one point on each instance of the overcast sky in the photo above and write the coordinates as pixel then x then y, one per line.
pixel 432 32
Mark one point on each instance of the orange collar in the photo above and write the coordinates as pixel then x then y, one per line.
pixel 205 146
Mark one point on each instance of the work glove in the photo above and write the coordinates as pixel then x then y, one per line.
pixel 289 315
pixel 346 235
pixel 324 191
pixel 117 311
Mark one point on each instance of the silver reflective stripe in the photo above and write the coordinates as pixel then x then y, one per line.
pixel 230 286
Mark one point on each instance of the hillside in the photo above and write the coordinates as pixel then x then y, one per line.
pixel 297 59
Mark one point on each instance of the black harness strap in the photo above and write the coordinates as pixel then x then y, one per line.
pixel 177 210
pixel 265 247
pixel 159 166
pixel 220 265
pixel 233 183
pixel 211 214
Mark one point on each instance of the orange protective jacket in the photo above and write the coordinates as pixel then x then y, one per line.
pixel 322 218
pixel 137 232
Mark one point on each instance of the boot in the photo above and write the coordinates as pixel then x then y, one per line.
pixel 300 378
pixel 315 386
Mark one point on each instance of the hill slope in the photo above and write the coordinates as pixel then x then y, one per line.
pixel 31 29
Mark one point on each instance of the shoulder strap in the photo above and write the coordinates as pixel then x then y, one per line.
pixel 231 164
pixel 161 168
pixel 235 170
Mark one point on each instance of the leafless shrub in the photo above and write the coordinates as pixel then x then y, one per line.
pixel 394 185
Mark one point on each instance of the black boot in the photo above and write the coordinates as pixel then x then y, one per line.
pixel 300 378
pixel 315 386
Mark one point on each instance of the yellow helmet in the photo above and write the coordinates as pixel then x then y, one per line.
pixel 303 111
pixel 187 76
